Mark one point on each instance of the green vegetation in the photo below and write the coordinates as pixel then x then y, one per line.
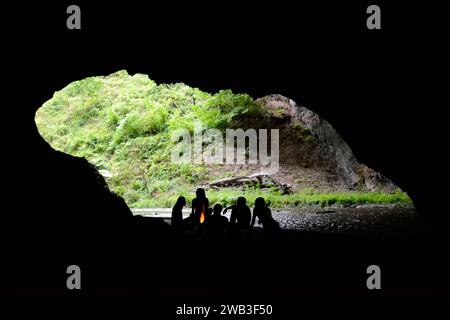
pixel 276 200
pixel 122 124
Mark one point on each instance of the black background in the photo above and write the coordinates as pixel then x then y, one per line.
pixel 385 91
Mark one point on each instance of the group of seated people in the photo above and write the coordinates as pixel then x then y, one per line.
pixel 214 221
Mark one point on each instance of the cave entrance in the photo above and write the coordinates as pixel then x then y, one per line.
pixel 124 126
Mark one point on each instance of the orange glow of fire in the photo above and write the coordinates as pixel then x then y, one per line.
pixel 202 217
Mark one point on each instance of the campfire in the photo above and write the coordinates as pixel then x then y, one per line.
pixel 202 217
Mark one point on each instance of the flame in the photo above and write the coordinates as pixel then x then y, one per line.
pixel 202 217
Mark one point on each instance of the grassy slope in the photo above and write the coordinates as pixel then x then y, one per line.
pixel 123 124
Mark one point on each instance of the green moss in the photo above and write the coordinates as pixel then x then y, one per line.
pixel 123 123
pixel 301 132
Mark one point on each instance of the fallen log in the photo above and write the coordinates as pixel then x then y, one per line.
pixel 259 180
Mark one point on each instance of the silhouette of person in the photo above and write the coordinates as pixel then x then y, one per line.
pixel 177 213
pixel 200 207
pixel 264 214
pixel 240 214
pixel 216 223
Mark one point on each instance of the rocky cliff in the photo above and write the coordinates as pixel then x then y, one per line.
pixel 312 153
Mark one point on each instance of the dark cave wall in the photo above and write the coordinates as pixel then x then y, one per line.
pixel 381 91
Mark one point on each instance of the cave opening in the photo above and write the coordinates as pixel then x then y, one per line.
pixel 124 125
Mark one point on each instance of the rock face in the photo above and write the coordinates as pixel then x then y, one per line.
pixel 312 153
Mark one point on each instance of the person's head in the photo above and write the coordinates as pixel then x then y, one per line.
pixel 241 201
pixel 217 209
pixel 200 193
pixel 260 202
pixel 181 202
